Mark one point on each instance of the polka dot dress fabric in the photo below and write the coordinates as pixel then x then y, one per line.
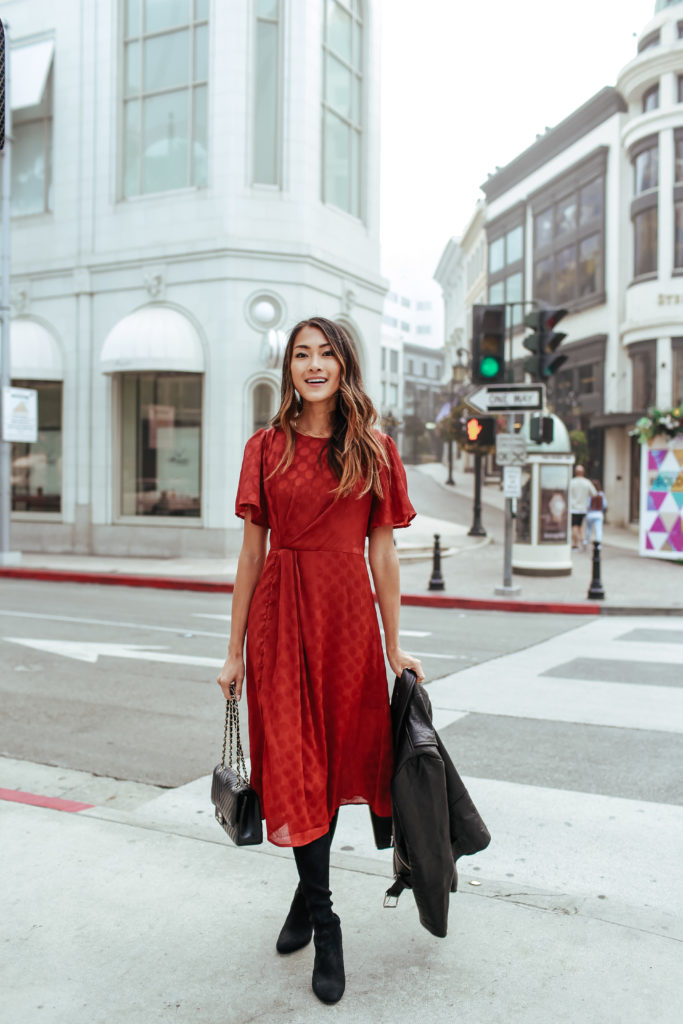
pixel 319 725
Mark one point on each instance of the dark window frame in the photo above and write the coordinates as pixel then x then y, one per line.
pixel 642 202
pixel 499 229
pixel 571 184
pixel 652 91
pixel 677 371
pixel 650 40
pixel 635 351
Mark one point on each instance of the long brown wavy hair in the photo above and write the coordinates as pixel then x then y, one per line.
pixel 355 453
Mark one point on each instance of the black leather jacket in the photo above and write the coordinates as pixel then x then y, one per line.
pixel 434 819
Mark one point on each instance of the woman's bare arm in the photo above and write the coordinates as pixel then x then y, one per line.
pixel 386 577
pixel 249 569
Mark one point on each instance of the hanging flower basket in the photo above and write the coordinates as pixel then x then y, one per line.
pixel 667 422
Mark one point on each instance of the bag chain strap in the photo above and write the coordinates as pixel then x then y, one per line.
pixel 232 725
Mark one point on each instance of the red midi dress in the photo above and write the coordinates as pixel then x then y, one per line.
pixel 319 724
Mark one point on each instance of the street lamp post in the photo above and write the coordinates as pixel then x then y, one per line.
pixel 458 375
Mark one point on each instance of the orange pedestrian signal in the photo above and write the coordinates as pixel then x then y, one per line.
pixel 474 429
pixel 480 431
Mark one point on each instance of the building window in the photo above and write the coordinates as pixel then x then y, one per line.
pixel 405 302
pixel 342 100
pixel 679 88
pixel 424 329
pixel 569 241
pixel 678 236
pixel 405 326
pixel 267 93
pixel 31 190
pixel 648 41
pixel 36 469
pixel 161 431
pixel 423 306
pixel 646 167
pixel 425 369
pixel 393 395
pixel 645 242
pixel 651 99
pixel 384 358
pixel 411 367
pixel 393 361
pixel 263 406
pixel 645 158
pixel 643 373
pixel 165 124
pixel 389 321
pixel 506 276
pixel 678 201
pixel 677 390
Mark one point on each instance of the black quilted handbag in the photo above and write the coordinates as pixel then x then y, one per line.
pixel 237 806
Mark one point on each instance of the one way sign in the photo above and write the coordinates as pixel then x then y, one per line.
pixel 508 398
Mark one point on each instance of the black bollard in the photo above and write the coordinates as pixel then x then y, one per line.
pixel 436 579
pixel 595 590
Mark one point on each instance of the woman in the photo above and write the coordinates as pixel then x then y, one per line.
pixel 595 514
pixel 321 479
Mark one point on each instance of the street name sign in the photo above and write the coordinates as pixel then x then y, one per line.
pixel 507 398
pixel 510 450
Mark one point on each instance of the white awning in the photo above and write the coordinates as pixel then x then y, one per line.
pixel 34 352
pixel 30 65
pixel 153 338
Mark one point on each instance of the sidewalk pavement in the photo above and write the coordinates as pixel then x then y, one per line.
pixel 472 567
pixel 136 909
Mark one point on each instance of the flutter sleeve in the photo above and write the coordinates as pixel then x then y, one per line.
pixel 250 492
pixel 394 507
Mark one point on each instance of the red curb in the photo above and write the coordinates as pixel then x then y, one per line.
pixel 55 803
pixel 217 587
pixel 499 605
pixel 119 579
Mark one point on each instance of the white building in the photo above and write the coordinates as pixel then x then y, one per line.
pixel 412 319
pixel 188 176
pixel 590 218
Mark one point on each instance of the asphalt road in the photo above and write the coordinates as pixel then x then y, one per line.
pixel 121 682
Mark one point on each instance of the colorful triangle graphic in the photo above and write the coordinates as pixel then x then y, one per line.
pixel 658 526
pixel 677 485
pixel 678 497
pixel 670 463
pixel 675 537
pixel 655 499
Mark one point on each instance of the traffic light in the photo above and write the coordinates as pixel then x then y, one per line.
pixel 543 363
pixel 481 432
pixel 488 344
pixel 541 429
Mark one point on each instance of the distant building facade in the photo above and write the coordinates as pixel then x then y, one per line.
pixel 412 342
pixel 590 218
pixel 189 179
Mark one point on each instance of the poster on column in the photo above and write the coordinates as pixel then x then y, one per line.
pixel 20 415
pixel 661 498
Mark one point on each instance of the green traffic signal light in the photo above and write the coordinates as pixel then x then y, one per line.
pixel 489 367
pixel 488 344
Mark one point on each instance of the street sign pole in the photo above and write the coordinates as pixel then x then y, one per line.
pixel 508 589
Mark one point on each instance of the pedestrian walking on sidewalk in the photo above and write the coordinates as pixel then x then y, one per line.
pixel 321 478
pixel 595 516
pixel 581 491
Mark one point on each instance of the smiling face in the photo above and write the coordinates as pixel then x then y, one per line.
pixel 316 371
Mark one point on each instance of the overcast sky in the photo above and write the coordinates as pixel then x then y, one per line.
pixel 466 86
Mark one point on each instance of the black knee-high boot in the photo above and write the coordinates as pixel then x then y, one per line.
pixel 313 865
pixel 297 930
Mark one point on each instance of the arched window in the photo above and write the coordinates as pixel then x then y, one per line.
pixel 342 104
pixel 263 405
